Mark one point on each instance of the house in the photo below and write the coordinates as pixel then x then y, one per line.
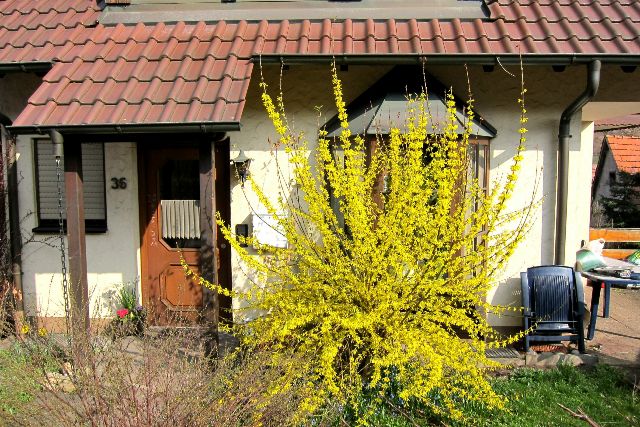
pixel 628 125
pixel 618 154
pixel 151 100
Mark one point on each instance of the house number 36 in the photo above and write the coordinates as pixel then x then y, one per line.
pixel 119 183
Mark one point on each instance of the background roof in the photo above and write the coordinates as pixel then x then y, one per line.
pixel 618 122
pixel 626 152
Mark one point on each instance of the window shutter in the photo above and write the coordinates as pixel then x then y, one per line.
pixel 93 178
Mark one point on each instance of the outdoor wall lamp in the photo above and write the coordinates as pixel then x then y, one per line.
pixel 241 163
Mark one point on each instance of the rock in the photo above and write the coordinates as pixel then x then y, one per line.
pixel 543 360
pixel 55 381
pixel 551 360
pixel 67 369
pixel 571 359
pixel 7 343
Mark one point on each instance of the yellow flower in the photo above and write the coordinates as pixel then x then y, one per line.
pixel 377 290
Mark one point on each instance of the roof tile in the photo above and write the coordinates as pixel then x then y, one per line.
pixel 129 113
pixel 69 93
pixel 186 92
pixel 122 71
pixel 201 50
pixel 154 113
pixel 143 110
pixel 145 69
pixel 102 112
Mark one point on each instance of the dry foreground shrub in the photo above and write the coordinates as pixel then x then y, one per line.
pixel 382 289
pixel 148 381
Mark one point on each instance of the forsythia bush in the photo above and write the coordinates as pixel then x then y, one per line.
pixel 384 296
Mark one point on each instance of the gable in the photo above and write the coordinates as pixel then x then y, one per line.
pixel 384 105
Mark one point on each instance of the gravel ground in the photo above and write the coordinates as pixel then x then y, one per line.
pixel 617 338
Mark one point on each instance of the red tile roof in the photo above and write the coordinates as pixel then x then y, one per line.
pixel 579 26
pixel 37 30
pixel 195 73
pixel 149 74
pixel 626 152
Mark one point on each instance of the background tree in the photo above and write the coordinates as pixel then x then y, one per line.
pixel 622 208
pixel 382 296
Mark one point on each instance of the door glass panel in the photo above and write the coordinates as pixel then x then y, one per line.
pixel 179 189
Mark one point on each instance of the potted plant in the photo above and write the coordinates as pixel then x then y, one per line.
pixel 131 317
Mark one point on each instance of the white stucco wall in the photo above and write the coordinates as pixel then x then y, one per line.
pixel 112 257
pixel 307 92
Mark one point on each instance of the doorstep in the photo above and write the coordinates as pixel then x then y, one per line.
pixel 547 357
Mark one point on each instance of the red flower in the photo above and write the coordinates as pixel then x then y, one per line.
pixel 122 312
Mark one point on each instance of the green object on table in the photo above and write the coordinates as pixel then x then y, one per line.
pixel 587 260
pixel 634 258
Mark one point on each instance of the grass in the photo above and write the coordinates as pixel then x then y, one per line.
pixel 534 397
pixel 601 392
pixel 15 392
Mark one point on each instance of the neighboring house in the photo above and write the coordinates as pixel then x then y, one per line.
pixel 628 125
pixel 617 154
pixel 151 101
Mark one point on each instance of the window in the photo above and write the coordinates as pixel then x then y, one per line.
pixel 479 165
pixel 479 156
pixel 47 187
pixel 612 178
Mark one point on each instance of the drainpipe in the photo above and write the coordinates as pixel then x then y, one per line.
pixel 14 221
pixel 58 141
pixel 593 81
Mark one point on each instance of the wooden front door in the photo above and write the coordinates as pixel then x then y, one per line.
pixel 171 228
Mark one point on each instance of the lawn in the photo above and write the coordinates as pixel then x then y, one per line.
pixel 534 397
pixel 15 390
pixel 22 368
pixel 602 393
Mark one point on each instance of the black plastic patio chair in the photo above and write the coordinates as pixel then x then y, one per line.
pixel 553 301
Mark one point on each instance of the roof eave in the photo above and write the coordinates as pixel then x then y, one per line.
pixel 444 58
pixel 132 129
pixel 25 67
